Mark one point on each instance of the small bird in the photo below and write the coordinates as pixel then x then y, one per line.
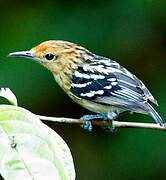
pixel 97 83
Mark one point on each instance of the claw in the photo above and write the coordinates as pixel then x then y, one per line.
pixel 110 127
pixel 87 125
pixel 87 120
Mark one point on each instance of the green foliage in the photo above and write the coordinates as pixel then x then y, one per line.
pixel 8 94
pixel 29 149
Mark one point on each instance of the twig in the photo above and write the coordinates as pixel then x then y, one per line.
pixel 104 123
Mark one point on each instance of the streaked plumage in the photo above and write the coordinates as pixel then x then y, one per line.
pixel 95 82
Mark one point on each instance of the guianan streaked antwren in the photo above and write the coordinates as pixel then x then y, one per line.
pixel 97 83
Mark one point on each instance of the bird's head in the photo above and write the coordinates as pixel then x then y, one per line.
pixel 55 55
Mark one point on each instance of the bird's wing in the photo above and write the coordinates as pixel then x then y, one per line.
pixel 105 81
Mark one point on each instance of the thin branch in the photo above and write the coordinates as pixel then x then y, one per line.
pixel 104 123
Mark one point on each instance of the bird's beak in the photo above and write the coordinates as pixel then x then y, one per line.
pixel 26 54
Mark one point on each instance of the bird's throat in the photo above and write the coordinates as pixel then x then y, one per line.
pixel 63 78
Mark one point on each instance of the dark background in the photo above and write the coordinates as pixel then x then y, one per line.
pixel 131 32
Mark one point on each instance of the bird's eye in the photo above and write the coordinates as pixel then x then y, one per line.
pixel 49 56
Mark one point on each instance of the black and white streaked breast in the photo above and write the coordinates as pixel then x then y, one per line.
pixel 105 81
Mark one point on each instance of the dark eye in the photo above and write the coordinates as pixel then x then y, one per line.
pixel 49 56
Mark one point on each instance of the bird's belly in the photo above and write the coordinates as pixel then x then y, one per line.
pixel 94 107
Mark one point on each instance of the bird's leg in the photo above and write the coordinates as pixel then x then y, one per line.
pixel 108 116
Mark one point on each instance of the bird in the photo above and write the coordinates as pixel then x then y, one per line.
pixel 97 83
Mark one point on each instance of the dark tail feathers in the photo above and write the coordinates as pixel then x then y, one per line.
pixel 155 115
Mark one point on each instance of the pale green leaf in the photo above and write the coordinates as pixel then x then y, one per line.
pixel 9 95
pixel 31 150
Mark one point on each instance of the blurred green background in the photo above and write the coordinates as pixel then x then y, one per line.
pixel 131 32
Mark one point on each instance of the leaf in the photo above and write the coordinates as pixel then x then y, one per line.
pixel 31 150
pixel 8 94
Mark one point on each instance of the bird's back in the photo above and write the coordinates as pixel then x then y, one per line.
pixel 105 81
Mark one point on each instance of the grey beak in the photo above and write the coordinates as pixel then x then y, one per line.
pixel 27 54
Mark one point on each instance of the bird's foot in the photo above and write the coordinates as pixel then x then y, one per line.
pixel 110 127
pixel 87 120
pixel 109 117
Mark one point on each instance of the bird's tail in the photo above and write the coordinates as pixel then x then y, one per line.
pixel 155 115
